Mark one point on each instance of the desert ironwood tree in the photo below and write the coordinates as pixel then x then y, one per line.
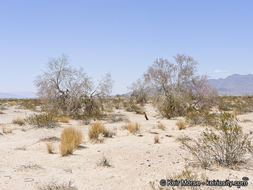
pixel 177 88
pixel 71 91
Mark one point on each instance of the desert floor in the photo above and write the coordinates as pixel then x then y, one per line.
pixel 136 161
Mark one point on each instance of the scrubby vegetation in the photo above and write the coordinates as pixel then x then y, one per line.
pixel 58 186
pixel 98 131
pixel 71 92
pixel 70 139
pixel 133 127
pixel 19 121
pixel 226 145
pixel 47 120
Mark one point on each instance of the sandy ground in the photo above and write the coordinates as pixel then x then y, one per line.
pixel 135 159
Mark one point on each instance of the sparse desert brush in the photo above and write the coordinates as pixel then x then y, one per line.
pixel 133 127
pixel 202 118
pixel 181 124
pixel 70 139
pixel 13 103
pixel 226 145
pixel 97 129
pixel 161 126
pixel 156 140
pixel 5 130
pixel 19 121
pixel 56 186
pixel 47 120
pixel 63 119
pixel 104 162
pixel 50 147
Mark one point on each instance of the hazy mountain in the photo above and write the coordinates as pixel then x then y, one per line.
pixel 234 85
pixel 17 95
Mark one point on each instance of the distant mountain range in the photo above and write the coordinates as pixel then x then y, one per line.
pixel 17 95
pixel 234 85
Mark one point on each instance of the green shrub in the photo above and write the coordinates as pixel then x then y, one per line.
pixel 47 120
pixel 226 145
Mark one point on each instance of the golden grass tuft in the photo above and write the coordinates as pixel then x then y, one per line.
pixel 161 126
pixel 181 124
pixel 63 119
pixel 133 127
pixel 18 121
pixel 97 129
pixel 156 140
pixel 50 147
pixel 70 139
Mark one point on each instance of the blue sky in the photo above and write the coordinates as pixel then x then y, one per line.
pixel 122 37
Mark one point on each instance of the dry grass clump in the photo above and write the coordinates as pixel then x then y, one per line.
pixel 19 121
pixel 226 145
pixel 161 126
pixel 57 186
pixel 156 140
pixel 97 129
pixel 63 119
pixel 6 131
pixel 47 120
pixel 133 127
pixel 70 139
pixel 50 147
pixel 181 124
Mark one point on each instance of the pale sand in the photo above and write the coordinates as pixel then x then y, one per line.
pixel 135 159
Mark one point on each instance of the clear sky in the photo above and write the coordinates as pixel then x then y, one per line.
pixel 122 37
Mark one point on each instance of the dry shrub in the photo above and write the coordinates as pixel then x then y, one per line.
pixel 63 119
pixel 19 121
pixel 47 120
pixel 50 147
pixel 202 118
pixel 5 130
pixel 70 139
pixel 181 124
pixel 57 186
pixel 133 127
pixel 227 145
pixel 97 129
pixel 104 162
pixel 13 103
pixel 161 126
pixel 156 140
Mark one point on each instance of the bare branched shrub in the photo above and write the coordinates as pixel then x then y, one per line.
pixel 71 92
pixel 104 162
pixel 47 120
pixel 139 91
pixel 177 88
pixel 70 139
pixel 227 145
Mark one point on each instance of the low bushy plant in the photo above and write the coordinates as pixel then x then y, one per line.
pixel 226 145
